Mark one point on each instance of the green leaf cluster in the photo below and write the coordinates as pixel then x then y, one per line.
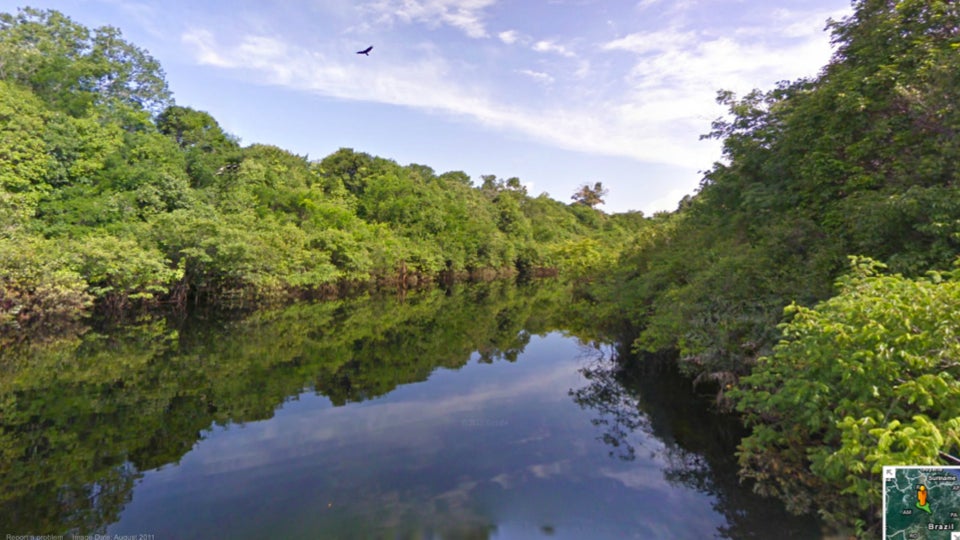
pixel 860 159
pixel 868 378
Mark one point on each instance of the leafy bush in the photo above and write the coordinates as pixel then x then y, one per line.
pixel 119 270
pixel 868 378
pixel 39 284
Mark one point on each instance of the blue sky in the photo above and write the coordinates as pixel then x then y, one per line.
pixel 556 92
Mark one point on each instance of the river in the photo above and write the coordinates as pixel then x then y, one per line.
pixel 488 411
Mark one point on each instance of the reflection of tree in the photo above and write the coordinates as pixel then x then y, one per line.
pixel 81 417
pixel 618 411
pixel 650 405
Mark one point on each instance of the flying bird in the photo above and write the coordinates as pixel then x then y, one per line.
pixel 366 51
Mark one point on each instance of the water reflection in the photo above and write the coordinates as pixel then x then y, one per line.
pixel 444 415
pixel 82 417
pixel 648 409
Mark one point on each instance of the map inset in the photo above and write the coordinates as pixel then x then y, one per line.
pixel 921 503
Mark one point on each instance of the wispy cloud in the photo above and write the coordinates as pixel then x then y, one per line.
pixel 509 36
pixel 643 95
pixel 204 48
pixel 466 15
pixel 430 84
pixel 548 46
pixel 675 73
pixel 800 24
pixel 537 75
pixel 651 42
pixel 144 14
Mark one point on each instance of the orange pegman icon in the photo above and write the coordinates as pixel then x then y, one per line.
pixel 922 495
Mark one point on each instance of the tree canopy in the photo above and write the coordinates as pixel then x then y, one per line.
pixel 861 161
pixel 156 202
pixel 590 196
pixel 72 68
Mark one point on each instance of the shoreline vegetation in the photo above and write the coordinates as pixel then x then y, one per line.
pixel 115 199
pixel 811 282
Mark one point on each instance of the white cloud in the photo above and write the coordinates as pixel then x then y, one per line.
pixel 467 15
pixel 536 75
pixel 689 64
pixel 650 42
pixel 509 37
pixel 652 110
pixel 676 73
pixel 552 47
pixel 673 7
pixel 668 201
pixel 799 24
pixel 428 84
pixel 204 47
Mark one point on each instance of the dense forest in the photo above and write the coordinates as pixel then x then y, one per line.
pixel 811 282
pixel 114 197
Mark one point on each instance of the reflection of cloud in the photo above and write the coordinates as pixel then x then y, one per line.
pixel 538 435
pixel 539 471
pixel 546 470
pixel 645 477
pixel 457 496
pixel 505 480
pixel 411 424
pixel 697 515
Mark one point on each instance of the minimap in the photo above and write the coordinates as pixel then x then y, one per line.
pixel 921 503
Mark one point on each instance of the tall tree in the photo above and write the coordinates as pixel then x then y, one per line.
pixel 72 69
pixel 590 196
pixel 207 147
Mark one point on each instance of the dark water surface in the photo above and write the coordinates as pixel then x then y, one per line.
pixel 487 412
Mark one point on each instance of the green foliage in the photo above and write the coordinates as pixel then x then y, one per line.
pixel 150 168
pixel 210 153
pixel 40 287
pixel 119 270
pixel 862 159
pixel 583 258
pixel 191 128
pixel 346 170
pixel 154 201
pixel 867 378
pixel 79 148
pixel 590 196
pixel 858 160
pixel 74 69
pixel 222 252
pixel 24 164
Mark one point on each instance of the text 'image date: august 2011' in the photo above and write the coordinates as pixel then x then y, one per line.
pixel 81 537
